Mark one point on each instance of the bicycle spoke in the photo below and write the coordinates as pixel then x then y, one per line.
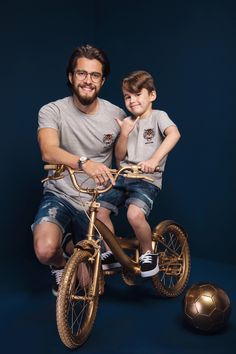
pixel 77 308
pixel 174 261
pixel 77 300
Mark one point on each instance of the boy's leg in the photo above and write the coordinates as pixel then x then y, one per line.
pixel 148 261
pixel 108 260
pixel 139 206
pixel 104 216
pixel 109 203
pixel 141 227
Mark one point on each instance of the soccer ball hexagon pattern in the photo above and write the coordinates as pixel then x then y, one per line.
pixel 206 307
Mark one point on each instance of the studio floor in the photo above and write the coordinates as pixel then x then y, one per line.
pixel 130 320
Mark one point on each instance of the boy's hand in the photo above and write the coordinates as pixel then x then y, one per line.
pixel 148 166
pixel 127 125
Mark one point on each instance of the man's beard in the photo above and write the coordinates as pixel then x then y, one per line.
pixel 83 99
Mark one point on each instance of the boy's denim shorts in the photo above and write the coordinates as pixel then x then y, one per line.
pixel 60 212
pixel 130 191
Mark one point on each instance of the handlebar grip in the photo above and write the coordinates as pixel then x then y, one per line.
pixel 50 167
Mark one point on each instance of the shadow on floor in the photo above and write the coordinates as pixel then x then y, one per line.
pixel 130 320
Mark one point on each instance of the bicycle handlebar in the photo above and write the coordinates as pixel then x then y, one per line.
pixel 59 169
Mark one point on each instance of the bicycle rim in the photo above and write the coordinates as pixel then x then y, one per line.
pixel 174 261
pixel 77 299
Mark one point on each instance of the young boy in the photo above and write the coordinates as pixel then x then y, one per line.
pixel 146 137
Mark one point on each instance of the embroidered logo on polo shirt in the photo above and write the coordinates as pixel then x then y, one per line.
pixel 148 135
pixel 107 139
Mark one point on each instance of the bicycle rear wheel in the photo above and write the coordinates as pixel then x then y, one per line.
pixel 171 244
pixel 77 299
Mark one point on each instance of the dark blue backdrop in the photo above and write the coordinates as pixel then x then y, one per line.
pixel 187 46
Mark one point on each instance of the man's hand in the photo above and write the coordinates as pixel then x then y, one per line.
pixel 127 125
pixel 149 166
pixel 98 171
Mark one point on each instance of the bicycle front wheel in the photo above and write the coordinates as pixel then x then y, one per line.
pixel 77 299
pixel 171 244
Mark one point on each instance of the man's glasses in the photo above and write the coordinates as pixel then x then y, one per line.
pixel 82 74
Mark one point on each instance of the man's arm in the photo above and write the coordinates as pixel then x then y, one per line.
pixel 172 137
pixel 50 149
pixel 52 153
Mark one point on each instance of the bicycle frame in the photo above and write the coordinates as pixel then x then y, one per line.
pixel 79 290
pixel 116 244
pixel 117 247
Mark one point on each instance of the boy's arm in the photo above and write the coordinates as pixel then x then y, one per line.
pixel 172 137
pixel 121 147
pixel 126 127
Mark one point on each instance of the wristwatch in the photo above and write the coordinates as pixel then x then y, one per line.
pixel 81 161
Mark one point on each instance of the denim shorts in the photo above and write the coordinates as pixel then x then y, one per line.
pixel 60 212
pixel 130 191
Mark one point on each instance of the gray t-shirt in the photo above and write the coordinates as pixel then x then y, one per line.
pixel 81 134
pixel 145 139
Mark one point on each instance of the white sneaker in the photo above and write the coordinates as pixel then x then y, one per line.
pixel 149 264
pixel 109 261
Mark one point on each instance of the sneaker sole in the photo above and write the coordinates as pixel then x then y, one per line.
pixel 111 266
pixel 150 273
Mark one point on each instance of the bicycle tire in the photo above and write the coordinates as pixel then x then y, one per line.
pixel 171 244
pixel 75 316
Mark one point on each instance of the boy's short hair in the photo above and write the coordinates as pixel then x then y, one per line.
pixel 137 80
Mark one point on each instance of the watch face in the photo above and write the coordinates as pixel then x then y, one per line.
pixel 83 159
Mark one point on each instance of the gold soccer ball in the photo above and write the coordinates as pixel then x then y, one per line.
pixel 206 307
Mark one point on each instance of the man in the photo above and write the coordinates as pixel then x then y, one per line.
pixel 78 131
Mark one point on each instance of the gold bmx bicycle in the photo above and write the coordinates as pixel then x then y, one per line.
pixel 83 278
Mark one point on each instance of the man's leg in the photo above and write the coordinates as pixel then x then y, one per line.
pixel 47 244
pixel 52 220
